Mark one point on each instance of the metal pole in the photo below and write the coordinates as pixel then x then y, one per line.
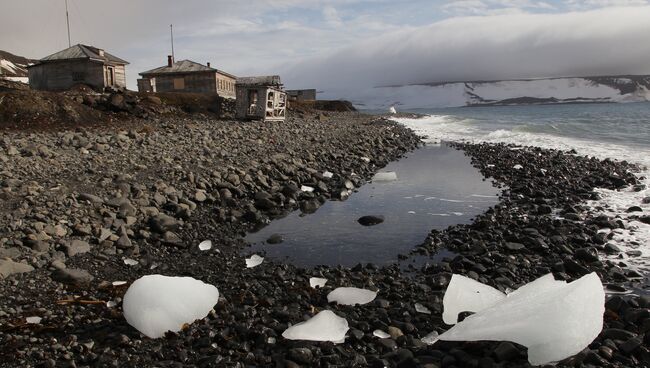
pixel 67 20
pixel 171 30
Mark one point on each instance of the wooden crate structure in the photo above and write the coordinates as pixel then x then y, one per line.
pixel 261 98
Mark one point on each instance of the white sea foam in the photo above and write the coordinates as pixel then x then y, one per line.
pixel 636 236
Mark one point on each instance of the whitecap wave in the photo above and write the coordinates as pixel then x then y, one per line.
pixel 636 236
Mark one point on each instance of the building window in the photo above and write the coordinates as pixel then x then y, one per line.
pixel 179 83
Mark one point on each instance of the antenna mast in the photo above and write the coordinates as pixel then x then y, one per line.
pixel 171 30
pixel 67 20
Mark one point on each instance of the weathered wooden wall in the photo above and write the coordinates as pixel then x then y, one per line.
pixel 120 76
pixel 63 75
pixel 192 82
pixel 226 85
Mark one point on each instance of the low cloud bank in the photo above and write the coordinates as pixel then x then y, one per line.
pixel 610 41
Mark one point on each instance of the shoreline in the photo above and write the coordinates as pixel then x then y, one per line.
pixel 258 304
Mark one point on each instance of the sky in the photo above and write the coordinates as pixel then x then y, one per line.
pixel 344 43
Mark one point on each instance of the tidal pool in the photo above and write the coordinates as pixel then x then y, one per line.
pixel 433 187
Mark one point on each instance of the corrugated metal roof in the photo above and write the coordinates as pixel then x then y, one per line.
pixel 263 80
pixel 184 66
pixel 83 52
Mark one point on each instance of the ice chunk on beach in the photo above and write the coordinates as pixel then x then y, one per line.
pixel 327 174
pixel 325 326
pixel 392 110
pixel 466 295
pixel 381 334
pixel 155 304
pixel 306 188
pixel 431 338
pixel 351 296
pixel 33 320
pixel 254 261
pixel 130 262
pixel 555 320
pixel 385 176
pixel 422 309
pixel 205 245
pixel 317 281
pixel 517 167
pixel 119 283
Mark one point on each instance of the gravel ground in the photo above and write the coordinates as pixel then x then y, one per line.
pixel 75 204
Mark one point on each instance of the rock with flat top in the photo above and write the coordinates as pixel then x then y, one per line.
pixel 9 267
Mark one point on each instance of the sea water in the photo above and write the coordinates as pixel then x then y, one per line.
pixel 616 131
pixel 433 187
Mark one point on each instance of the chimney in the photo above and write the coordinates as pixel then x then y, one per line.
pixel 208 64
pixel 170 61
pixel 101 52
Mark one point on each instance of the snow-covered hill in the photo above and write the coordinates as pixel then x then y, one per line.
pixel 13 67
pixel 493 93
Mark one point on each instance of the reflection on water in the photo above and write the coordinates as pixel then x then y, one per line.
pixel 436 187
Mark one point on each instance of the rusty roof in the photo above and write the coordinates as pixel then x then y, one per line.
pixel 80 51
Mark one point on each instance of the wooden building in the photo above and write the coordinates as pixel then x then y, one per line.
pixel 187 76
pixel 261 98
pixel 79 64
pixel 301 94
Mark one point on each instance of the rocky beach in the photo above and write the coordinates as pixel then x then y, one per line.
pixel 83 207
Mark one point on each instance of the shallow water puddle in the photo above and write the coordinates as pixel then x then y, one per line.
pixel 436 187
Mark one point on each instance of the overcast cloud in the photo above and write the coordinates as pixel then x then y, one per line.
pixel 339 43
pixel 491 47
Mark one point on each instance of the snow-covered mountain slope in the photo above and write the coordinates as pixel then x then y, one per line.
pixel 13 67
pixel 511 92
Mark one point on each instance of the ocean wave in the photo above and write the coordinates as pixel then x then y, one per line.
pixel 634 239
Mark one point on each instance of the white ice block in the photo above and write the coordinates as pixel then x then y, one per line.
pixel 155 304
pixel 351 296
pixel 325 326
pixel 555 320
pixel 466 295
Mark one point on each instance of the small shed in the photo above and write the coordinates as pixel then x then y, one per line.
pixel 79 64
pixel 187 76
pixel 301 94
pixel 261 98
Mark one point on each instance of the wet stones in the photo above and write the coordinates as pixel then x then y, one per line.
pixel 370 220
pixel 275 239
pixel 310 206
pixel 586 254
